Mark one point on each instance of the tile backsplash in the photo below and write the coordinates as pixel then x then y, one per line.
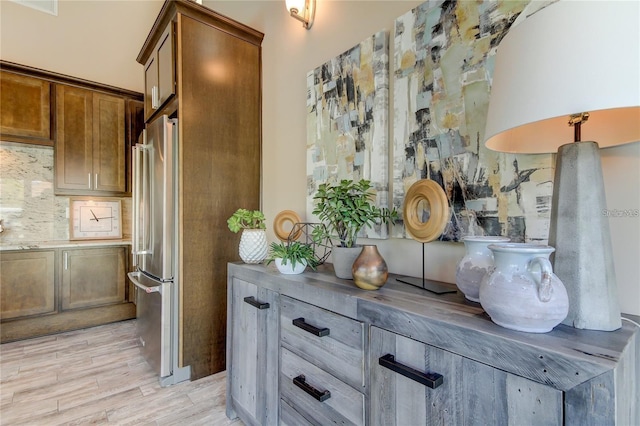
pixel 28 208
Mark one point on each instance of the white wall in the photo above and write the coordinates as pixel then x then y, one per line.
pixel 289 51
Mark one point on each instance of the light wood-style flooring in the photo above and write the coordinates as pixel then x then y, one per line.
pixel 98 376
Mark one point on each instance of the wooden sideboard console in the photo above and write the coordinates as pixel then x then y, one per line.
pixel 315 349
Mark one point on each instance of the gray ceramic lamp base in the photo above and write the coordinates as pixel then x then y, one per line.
pixel 579 231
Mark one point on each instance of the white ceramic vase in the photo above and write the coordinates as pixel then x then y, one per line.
pixel 253 245
pixel 289 269
pixel 475 264
pixel 521 292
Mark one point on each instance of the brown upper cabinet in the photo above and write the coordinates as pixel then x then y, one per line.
pixel 26 109
pixel 91 126
pixel 159 73
pixel 90 147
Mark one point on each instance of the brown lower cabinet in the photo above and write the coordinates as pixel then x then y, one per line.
pixel 55 290
pixel 28 284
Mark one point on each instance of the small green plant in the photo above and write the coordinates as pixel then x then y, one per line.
pixel 246 219
pixel 293 251
pixel 345 208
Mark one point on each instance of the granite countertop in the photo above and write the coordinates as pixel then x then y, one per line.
pixel 34 245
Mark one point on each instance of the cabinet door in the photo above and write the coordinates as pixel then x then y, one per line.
pixel 470 393
pixel 74 143
pixel 92 277
pixel 252 353
pixel 26 109
pixel 27 283
pixel 166 66
pixel 159 73
pixel 150 86
pixel 108 143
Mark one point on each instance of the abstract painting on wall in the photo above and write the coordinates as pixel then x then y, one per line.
pixel 443 61
pixel 347 121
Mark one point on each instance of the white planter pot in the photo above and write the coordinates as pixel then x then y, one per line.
pixel 343 258
pixel 288 269
pixel 253 245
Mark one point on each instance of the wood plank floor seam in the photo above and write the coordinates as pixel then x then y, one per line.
pixel 99 376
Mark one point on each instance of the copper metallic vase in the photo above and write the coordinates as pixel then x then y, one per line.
pixel 369 269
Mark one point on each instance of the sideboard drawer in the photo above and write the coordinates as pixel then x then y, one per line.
pixel 331 341
pixel 316 395
pixel 290 417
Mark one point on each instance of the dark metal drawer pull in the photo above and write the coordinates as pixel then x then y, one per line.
pixel 432 380
pixel 320 332
pixel 301 382
pixel 253 302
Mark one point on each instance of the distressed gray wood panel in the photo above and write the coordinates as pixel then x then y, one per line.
pixel 382 389
pixel 252 360
pixel 483 382
pixel 494 360
pixel 471 393
pixel 592 403
pixel 627 400
pixel 290 417
pixel 320 288
pixel 341 353
pixel 531 403
pixel 345 406
pixel 563 363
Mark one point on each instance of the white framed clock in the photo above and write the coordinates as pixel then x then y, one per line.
pixel 95 218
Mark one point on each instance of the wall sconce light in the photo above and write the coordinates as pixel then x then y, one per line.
pixel 302 10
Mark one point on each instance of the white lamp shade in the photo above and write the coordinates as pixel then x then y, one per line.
pixel 295 4
pixel 570 57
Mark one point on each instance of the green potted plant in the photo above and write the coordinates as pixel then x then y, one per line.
pixel 291 257
pixel 345 208
pixel 253 241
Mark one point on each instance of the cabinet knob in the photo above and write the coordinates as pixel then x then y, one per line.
pixel 301 382
pixel 431 380
pixel 320 332
pixel 256 304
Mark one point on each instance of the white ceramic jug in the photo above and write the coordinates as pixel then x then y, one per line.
pixel 521 292
pixel 475 264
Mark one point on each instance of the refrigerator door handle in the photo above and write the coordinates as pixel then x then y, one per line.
pixel 133 276
pixel 140 195
pixel 135 194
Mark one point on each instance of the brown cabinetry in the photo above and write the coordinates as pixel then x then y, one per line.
pixel 219 133
pixel 27 283
pixel 92 127
pixel 92 277
pixel 90 146
pixel 26 109
pixel 61 289
pixel 159 73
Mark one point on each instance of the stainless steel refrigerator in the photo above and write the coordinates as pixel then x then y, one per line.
pixel 155 248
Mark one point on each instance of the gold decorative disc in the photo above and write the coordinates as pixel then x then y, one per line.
pixel 283 217
pixel 426 190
